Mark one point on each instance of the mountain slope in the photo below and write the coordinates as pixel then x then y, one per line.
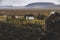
pixel 39 4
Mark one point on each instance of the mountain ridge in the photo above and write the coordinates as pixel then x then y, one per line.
pixel 40 4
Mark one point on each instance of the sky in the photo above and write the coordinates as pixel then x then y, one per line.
pixel 24 2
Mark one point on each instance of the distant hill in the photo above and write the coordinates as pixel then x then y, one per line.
pixel 40 4
pixel 35 6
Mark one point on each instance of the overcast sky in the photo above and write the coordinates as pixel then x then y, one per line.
pixel 24 2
